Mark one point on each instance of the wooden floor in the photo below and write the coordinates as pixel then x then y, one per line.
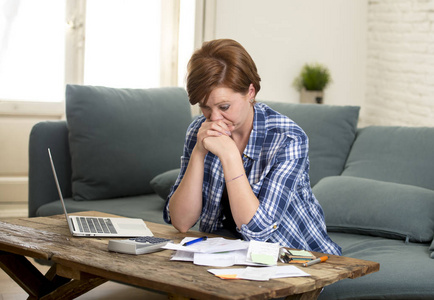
pixel 9 290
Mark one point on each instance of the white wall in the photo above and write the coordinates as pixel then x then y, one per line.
pixel 283 35
pixel 15 127
pixel 400 76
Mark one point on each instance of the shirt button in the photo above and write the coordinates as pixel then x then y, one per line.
pixel 274 226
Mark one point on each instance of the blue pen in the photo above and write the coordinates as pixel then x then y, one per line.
pixel 195 241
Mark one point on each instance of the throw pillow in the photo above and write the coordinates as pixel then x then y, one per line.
pixel 122 138
pixel 394 154
pixel 162 183
pixel 371 207
pixel 331 131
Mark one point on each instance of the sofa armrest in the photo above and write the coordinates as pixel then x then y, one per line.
pixel 42 188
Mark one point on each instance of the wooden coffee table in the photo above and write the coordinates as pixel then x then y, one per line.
pixel 81 264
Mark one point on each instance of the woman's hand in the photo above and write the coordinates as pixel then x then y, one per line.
pixel 212 129
pixel 221 145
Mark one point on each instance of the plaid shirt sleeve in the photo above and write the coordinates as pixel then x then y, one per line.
pixel 190 142
pixel 275 189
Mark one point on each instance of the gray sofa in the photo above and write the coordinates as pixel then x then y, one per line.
pixel 120 151
pixel 114 143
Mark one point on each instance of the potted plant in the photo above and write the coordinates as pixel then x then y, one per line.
pixel 311 82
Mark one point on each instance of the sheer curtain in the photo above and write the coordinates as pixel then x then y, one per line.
pixel 117 43
pixel 123 43
pixel 31 49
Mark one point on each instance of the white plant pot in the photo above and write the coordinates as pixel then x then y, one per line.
pixel 313 97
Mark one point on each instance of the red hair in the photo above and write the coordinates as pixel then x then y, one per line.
pixel 218 63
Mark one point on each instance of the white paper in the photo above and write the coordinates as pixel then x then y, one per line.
pixel 269 252
pixel 211 245
pixel 275 272
pixel 223 259
pixel 259 274
pixel 288 271
pixel 183 256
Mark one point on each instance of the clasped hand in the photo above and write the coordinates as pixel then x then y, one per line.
pixel 215 137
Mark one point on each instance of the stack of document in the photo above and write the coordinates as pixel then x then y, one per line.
pixel 220 252
pixel 216 252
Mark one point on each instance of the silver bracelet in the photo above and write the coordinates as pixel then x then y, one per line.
pixel 235 178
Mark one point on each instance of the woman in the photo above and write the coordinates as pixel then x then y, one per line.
pixel 244 167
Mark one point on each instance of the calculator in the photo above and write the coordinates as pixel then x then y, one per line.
pixel 138 245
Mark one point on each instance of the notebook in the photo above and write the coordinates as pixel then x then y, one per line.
pixel 100 226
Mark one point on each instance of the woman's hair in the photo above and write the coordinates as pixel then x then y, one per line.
pixel 220 63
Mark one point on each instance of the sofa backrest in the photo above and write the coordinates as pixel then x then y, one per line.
pixel 402 155
pixel 387 187
pixel 120 139
pixel 331 131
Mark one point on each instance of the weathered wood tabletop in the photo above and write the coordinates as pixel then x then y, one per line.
pixel 89 263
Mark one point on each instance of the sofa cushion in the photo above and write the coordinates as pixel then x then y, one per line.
pixel 406 271
pixel 394 154
pixel 121 138
pixel 162 183
pixel 331 131
pixel 365 206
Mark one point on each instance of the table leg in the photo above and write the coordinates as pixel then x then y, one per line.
pixel 24 273
pixel 74 288
pixel 50 286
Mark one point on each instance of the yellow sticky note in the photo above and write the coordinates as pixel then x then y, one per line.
pixel 300 253
pixel 263 259
pixel 263 252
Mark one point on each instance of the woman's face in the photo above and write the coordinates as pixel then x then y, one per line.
pixel 234 109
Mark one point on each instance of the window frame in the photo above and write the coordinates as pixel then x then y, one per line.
pixel 75 19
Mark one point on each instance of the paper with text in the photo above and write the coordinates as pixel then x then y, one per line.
pixel 259 273
pixel 211 245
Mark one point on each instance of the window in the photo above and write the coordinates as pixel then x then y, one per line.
pixel 187 37
pixel 32 49
pixel 107 42
pixel 122 43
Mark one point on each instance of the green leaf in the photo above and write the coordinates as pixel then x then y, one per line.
pixel 313 77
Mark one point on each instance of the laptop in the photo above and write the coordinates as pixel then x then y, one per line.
pixel 86 226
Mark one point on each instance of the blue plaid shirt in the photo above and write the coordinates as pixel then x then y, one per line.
pixel 277 165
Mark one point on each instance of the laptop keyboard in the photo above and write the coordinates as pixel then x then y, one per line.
pixel 95 225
